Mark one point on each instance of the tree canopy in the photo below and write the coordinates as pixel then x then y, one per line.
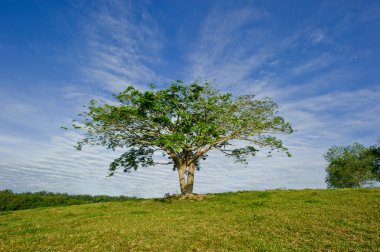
pixel 352 166
pixel 183 122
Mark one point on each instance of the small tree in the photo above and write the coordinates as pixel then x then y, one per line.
pixel 183 122
pixel 352 166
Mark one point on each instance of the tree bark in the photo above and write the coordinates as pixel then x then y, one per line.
pixel 190 179
pixel 186 185
pixel 181 175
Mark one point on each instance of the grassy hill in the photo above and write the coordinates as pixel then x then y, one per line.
pixel 277 220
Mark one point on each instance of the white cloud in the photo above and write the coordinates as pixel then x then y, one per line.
pixel 57 166
pixel 122 47
pixel 318 63
pixel 226 52
pixel 336 115
pixel 318 36
pixel 14 108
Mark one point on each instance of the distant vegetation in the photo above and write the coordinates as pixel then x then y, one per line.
pixel 278 220
pixel 352 166
pixel 10 201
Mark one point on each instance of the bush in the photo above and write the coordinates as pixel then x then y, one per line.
pixel 10 201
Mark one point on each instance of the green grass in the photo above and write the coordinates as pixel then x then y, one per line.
pixel 278 220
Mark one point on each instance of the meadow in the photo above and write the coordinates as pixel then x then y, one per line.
pixel 274 220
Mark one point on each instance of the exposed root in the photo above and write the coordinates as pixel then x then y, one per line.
pixel 190 196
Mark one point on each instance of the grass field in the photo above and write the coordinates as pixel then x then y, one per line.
pixel 277 220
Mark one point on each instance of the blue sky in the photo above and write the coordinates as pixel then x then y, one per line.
pixel 319 60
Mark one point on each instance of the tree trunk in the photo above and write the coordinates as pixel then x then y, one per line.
pixel 190 179
pixel 186 186
pixel 181 175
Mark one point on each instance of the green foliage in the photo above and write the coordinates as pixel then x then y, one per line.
pixel 275 220
pixel 184 122
pixel 352 166
pixel 10 201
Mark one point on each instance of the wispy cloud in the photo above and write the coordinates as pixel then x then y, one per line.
pixel 315 68
pixel 318 63
pixel 340 113
pixel 229 47
pixel 79 172
pixel 85 172
pixel 122 45
pixel 13 108
pixel 318 36
pixel 313 88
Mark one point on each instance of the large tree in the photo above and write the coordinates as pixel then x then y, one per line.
pixel 183 122
pixel 352 166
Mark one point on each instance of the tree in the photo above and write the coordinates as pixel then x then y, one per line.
pixel 183 123
pixel 352 166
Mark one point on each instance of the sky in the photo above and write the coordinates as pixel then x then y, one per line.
pixel 319 60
